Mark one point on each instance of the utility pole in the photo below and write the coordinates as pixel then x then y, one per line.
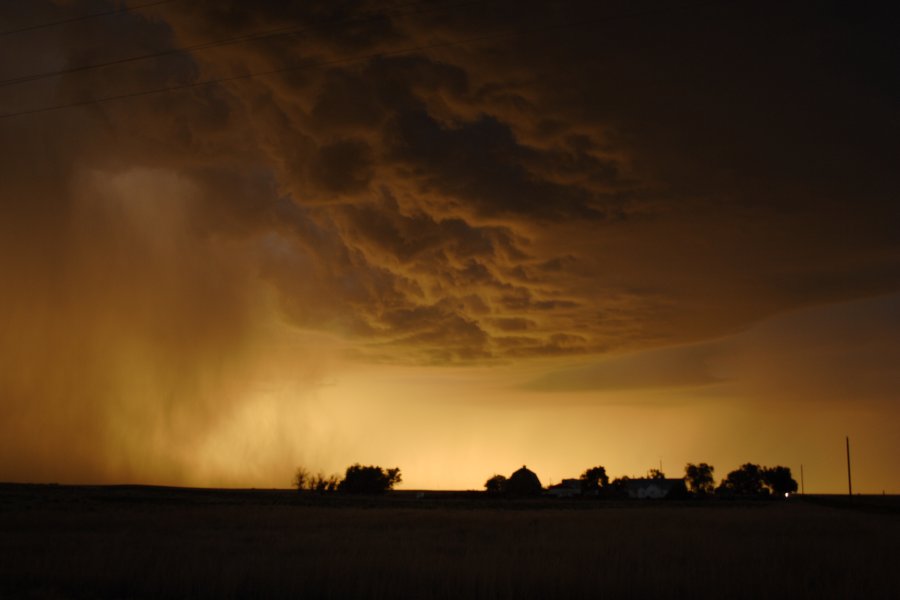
pixel 849 480
pixel 802 487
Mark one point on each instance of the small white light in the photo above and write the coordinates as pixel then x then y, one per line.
pixel 786 494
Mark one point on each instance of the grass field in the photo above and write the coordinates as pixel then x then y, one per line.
pixel 132 542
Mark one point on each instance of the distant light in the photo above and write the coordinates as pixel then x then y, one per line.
pixel 787 494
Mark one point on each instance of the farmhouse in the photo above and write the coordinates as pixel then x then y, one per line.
pixel 655 488
pixel 567 488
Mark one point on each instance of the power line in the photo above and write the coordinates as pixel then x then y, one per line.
pixel 241 39
pixel 340 61
pixel 86 17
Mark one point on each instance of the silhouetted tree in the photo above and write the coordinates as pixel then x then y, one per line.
pixel 655 474
pixel 304 480
pixel 593 479
pixel 523 483
pixel 322 484
pixel 368 480
pixel 699 478
pixel 301 479
pixel 745 481
pixel 616 488
pixel 496 485
pixel 779 480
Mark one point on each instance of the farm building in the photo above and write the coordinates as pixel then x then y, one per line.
pixel 567 488
pixel 523 482
pixel 655 488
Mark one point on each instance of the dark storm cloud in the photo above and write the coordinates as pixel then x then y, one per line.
pixel 381 227
pixel 642 134
pixel 512 324
pixel 404 283
pixel 342 167
pixel 481 166
pixel 626 176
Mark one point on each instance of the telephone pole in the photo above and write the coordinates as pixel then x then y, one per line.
pixel 802 486
pixel 849 480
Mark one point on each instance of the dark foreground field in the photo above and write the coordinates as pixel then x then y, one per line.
pixel 132 542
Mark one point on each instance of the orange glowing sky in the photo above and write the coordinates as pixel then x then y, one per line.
pixel 455 237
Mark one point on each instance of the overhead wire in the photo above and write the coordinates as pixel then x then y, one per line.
pixel 118 11
pixel 344 61
pixel 242 39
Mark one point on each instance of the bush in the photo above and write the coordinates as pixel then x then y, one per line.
pixel 305 481
pixel 495 485
pixel 369 480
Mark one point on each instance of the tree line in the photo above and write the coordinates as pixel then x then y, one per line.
pixel 748 480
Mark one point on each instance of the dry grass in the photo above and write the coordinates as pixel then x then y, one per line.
pixel 82 545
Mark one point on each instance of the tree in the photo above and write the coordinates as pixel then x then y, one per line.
pixel 320 483
pixel 617 487
pixel 655 474
pixel 745 481
pixel 368 480
pixel 305 480
pixel 593 479
pixel 699 478
pixel 301 479
pixel 496 485
pixel 779 480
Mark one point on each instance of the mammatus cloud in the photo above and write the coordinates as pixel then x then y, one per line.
pixel 447 189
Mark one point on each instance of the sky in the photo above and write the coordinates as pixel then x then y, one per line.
pixel 453 236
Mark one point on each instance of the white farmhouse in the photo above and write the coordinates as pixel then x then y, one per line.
pixel 567 488
pixel 655 488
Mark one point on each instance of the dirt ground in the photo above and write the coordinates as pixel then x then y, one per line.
pixel 139 542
